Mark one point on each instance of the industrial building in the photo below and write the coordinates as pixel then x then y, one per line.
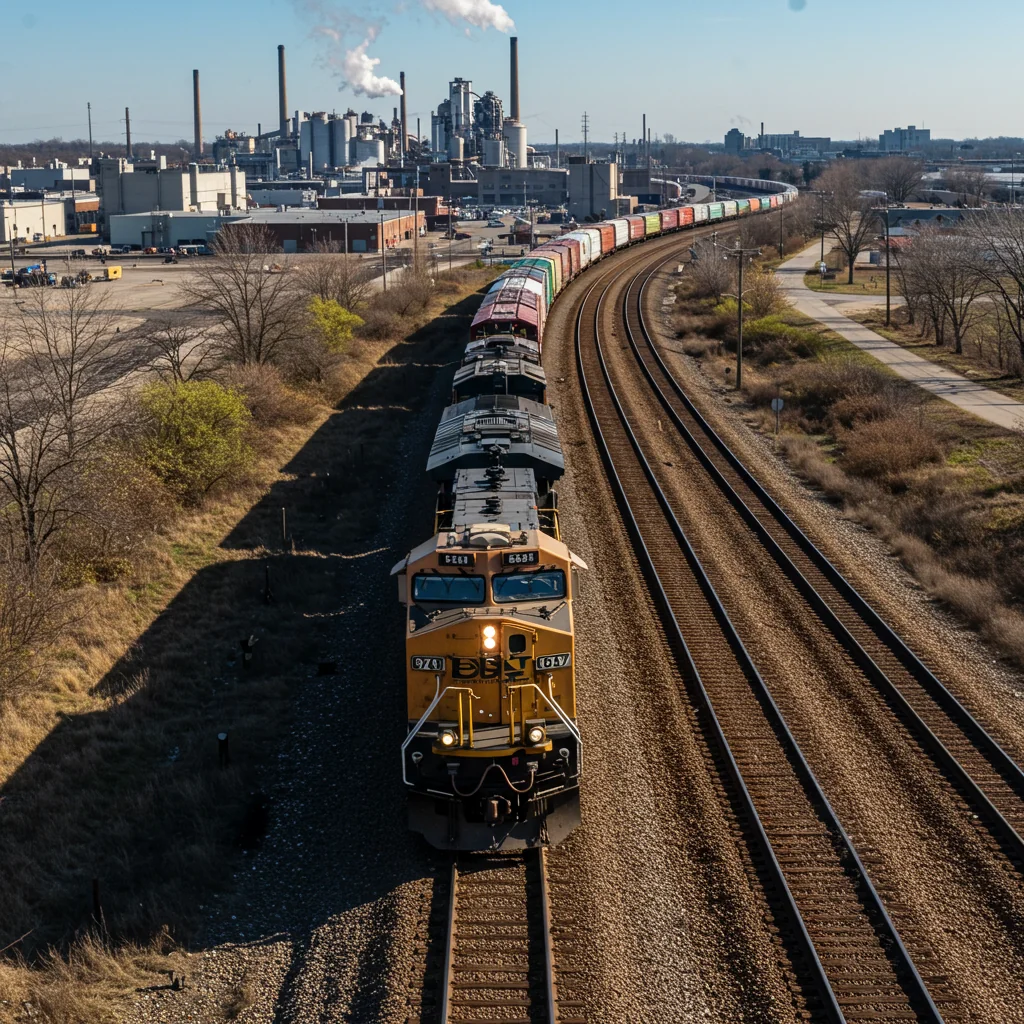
pixel 361 230
pixel 593 189
pixel 127 187
pixel 171 228
pixel 28 218
pixel 55 176
pixel 468 127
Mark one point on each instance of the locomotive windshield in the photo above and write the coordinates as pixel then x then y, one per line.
pixel 528 586
pixel 450 589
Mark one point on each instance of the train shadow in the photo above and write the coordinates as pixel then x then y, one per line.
pixel 138 819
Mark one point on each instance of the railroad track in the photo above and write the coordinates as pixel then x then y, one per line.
pixel 966 750
pixel 851 962
pixel 495 947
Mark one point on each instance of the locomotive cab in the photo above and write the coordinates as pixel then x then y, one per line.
pixel 492 758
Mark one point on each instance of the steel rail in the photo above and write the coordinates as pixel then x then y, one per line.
pixel 918 993
pixel 1000 761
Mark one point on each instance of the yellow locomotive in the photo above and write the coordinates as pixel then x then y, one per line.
pixel 492 757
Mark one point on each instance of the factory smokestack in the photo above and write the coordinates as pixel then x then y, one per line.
pixel 127 133
pixel 197 116
pixel 513 103
pixel 405 130
pixel 282 93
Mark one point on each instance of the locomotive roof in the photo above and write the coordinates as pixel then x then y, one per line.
pixel 473 431
pixel 493 365
pixel 510 498
pixel 507 344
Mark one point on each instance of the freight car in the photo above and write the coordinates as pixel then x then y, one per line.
pixel 493 755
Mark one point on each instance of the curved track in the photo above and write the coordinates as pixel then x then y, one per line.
pixel 973 759
pixel 852 958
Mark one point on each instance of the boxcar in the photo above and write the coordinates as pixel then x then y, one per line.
pixel 653 223
pixel 669 219
pixel 729 208
pixel 607 233
pixel 685 216
pixel 637 227
pixel 621 226
pixel 716 211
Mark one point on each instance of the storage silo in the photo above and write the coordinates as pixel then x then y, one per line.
pixel 515 142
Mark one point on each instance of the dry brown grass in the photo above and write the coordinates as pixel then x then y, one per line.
pixel 108 770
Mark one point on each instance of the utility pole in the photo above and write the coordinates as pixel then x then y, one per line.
pixel 822 218
pixel 383 253
pixel 888 285
pixel 740 255
pixel 586 132
pixel 416 224
pixel 782 239
pixel 449 232
pixel 128 133
pixel 88 108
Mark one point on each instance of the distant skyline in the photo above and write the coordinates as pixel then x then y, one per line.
pixel 847 70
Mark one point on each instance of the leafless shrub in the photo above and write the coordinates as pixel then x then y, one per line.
pixel 33 616
pixel 887 449
pixel 709 273
pixel 269 400
pixel 408 296
pixel 762 295
pixel 330 274
pixel 898 176
pixel 848 212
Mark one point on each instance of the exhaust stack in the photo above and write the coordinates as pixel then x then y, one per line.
pixel 513 103
pixel 282 94
pixel 197 116
pixel 405 131
pixel 127 133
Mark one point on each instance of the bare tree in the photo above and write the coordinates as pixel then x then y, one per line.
pixel 184 348
pixel 970 184
pixel 946 270
pixel 708 269
pixel 898 176
pixel 331 274
pixel 847 210
pixel 255 303
pixel 64 373
pixel 1000 236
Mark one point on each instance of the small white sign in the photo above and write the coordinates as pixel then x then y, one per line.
pixel 822 267
pixel 777 404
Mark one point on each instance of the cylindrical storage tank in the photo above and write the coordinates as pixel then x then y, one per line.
pixel 368 151
pixel 321 142
pixel 437 143
pixel 515 142
pixel 456 147
pixel 305 141
pixel 494 152
pixel 341 136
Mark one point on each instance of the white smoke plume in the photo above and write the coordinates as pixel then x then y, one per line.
pixel 481 13
pixel 358 68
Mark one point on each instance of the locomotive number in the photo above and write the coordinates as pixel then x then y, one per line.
pixel 421 663
pixel 550 661
pixel 456 558
pixel 520 557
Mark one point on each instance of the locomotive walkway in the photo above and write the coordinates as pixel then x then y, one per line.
pixel 966 394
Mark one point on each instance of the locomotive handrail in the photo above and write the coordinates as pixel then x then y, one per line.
pixel 414 731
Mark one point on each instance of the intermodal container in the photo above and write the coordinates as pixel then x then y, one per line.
pixel 607 233
pixel 765 203
pixel 653 222
pixel 716 211
pixel 701 213
pixel 743 207
pixel 621 226
pixel 542 268
pixel 637 227
pixel 669 220
pixel 729 208
pixel 685 216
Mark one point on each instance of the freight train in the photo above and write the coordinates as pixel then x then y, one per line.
pixel 493 755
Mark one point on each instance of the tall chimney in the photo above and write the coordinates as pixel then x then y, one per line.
pixel 282 93
pixel 197 116
pixel 127 133
pixel 405 129
pixel 513 104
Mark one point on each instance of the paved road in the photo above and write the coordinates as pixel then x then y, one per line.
pixel 967 394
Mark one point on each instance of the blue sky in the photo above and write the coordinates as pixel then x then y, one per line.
pixel 844 68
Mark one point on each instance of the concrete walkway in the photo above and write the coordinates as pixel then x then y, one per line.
pixel 967 394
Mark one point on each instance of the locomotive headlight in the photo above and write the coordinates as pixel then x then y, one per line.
pixel 535 735
pixel 489 637
pixel 447 738
pixel 489 632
